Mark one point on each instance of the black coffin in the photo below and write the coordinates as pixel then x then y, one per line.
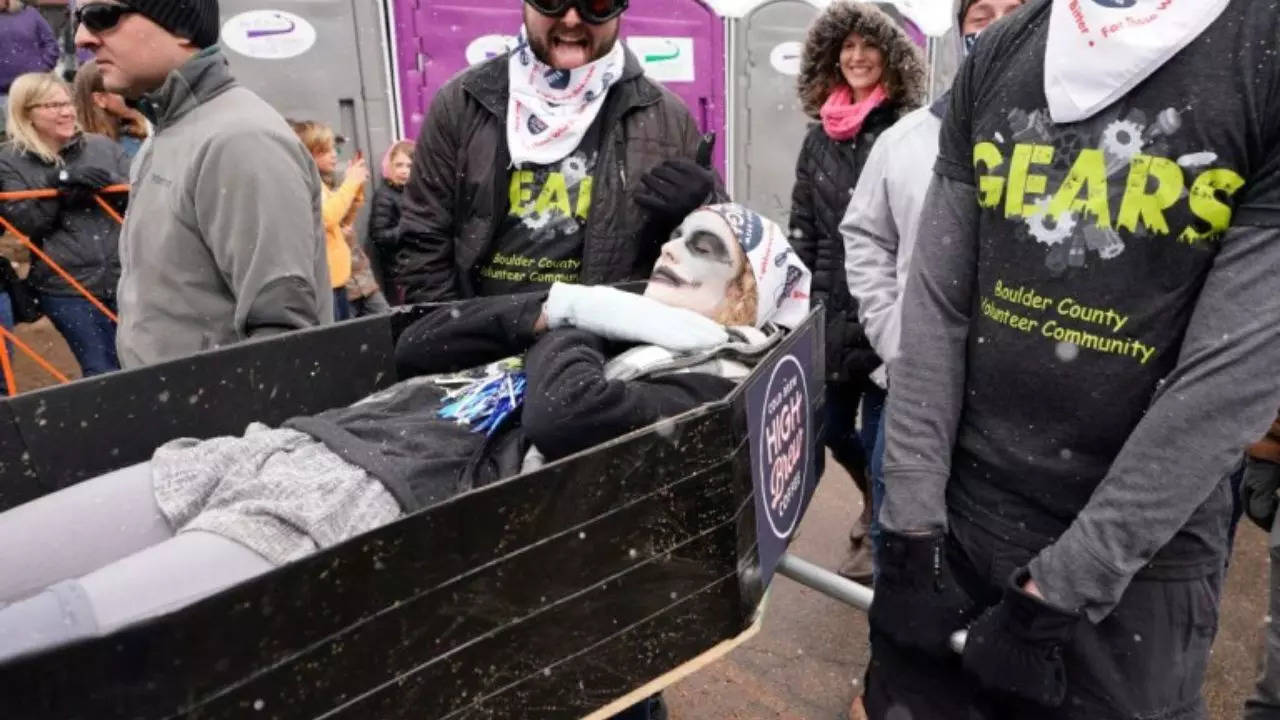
pixel 549 595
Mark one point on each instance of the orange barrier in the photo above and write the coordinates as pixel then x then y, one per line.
pixel 48 367
pixel 10 383
pixel 6 365
pixel 14 195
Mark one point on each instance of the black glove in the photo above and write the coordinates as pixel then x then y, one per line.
pixel 1016 646
pixel 77 186
pixel 1258 491
pixel 673 190
pixel 918 602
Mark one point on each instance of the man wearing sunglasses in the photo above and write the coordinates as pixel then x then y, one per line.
pixel 557 162
pixel 223 240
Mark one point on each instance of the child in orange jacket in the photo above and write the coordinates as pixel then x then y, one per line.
pixel 339 206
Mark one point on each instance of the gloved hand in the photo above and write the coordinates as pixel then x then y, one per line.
pixel 671 191
pixel 626 317
pixel 919 603
pixel 1016 646
pixel 1258 491
pixel 77 185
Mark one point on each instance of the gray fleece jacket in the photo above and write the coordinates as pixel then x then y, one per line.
pixel 223 239
pixel 881 224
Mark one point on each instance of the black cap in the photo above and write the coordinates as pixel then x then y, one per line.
pixel 196 20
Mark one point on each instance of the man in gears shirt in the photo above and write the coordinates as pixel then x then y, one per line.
pixel 1048 485
pixel 556 162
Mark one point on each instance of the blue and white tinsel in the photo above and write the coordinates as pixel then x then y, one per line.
pixel 486 403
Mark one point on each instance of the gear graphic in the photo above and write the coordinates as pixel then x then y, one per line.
pixel 574 169
pixel 1068 146
pixel 1111 250
pixel 537 221
pixel 1045 229
pixel 1104 241
pixel 1122 139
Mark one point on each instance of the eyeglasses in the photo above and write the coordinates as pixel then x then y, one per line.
pixel 101 17
pixel 63 105
pixel 592 11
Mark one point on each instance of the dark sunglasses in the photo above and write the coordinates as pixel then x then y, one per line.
pixel 591 11
pixel 101 17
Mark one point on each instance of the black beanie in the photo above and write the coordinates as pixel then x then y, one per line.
pixel 196 20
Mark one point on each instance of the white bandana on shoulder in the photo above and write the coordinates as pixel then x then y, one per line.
pixel 1099 50
pixel 548 110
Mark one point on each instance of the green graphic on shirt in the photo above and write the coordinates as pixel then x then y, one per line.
pixel 541 241
pixel 516 268
pixel 555 195
pixel 1064 320
pixel 1152 187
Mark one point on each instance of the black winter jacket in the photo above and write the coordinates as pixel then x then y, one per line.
pixel 458 193
pixel 826 173
pixel 83 241
pixel 569 403
pixel 384 231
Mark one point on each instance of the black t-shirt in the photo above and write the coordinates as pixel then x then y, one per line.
pixel 1080 311
pixel 540 240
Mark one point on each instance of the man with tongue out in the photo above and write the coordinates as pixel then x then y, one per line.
pixel 556 162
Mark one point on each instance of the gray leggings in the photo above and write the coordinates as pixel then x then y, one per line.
pixel 100 555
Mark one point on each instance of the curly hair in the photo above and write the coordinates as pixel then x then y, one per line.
pixel 743 294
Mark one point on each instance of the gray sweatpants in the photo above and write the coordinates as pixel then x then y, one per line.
pixel 100 555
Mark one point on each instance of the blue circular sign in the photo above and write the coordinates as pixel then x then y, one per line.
pixel 784 445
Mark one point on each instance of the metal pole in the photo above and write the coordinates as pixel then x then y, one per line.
pixel 840 588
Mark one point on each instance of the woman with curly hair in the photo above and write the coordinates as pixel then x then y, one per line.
pixel 858 75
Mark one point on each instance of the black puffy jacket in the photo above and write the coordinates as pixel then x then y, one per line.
pixel 384 233
pixel 826 173
pixel 827 170
pixel 84 241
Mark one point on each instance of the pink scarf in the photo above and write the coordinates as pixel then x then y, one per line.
pixel 842 118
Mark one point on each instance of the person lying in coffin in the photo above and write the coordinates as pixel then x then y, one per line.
pixel 597 363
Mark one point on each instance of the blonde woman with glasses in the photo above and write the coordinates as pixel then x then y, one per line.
pixel 47 150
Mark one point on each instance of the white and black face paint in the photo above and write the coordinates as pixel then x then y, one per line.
pixel 697 266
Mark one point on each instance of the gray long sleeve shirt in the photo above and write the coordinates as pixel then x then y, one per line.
pixel 223 240
pixel 882 222
pixel 1085 351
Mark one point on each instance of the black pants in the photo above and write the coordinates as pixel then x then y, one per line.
pixel 1145 661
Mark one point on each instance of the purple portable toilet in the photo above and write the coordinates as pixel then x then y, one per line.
pixel 680 43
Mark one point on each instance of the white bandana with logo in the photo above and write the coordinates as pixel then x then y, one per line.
pixel 548 110
pixel 1099 50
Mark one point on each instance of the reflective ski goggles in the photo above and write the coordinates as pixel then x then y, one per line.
pixel 591 11
pixel 101 17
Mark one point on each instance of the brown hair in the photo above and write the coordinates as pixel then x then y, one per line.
pixel 92 118
pixel 905 75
